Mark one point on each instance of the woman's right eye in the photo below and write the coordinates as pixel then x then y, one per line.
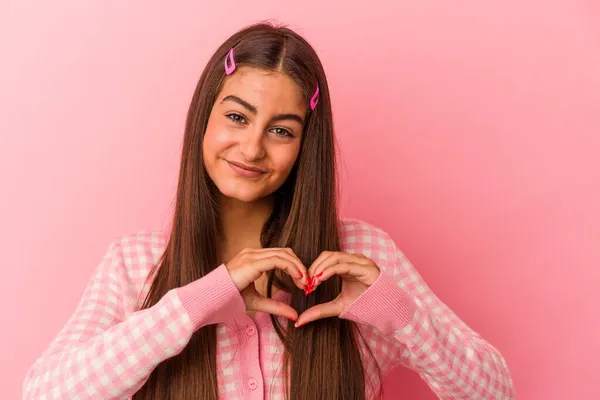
pixel 237 118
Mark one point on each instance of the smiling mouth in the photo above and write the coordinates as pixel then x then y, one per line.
pixel 245 170
pixel 247 167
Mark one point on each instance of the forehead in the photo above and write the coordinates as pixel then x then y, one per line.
pixel 268 91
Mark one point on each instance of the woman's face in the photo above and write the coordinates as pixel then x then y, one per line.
pixel 254 133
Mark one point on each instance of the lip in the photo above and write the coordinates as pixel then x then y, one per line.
pixel 245 170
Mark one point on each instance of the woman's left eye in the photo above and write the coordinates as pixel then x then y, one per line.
pixel 282 132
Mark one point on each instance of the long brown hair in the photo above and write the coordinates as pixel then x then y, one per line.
pixel 323 358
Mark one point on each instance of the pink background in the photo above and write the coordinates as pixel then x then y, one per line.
pixel 468 131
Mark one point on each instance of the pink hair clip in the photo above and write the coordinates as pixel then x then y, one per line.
pixel 315 99
pixel 231 67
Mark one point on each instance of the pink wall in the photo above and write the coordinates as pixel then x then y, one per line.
pixel 469 131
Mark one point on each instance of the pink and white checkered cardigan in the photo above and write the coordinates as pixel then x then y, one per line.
pixel 109 347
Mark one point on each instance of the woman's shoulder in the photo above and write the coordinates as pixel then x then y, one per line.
pixel 141 244
pixel 357 228
pixel 137 253
pixel 358 236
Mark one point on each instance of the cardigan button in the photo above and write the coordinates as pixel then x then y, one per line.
pixel 252 384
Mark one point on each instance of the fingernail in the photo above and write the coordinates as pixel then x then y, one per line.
pixel 291 319
pixel 313 287
pixel 308 288
pixel 301 275
pixel 319 274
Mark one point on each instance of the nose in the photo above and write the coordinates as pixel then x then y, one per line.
pixel 252 146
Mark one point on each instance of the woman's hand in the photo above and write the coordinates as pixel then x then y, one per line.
pixel 357 271
pixel 250 264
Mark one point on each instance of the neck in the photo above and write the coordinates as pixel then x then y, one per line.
pixel 241 224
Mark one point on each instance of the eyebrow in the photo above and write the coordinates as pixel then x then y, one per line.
pixel 253 110
pixel 293 117
pixel 243 103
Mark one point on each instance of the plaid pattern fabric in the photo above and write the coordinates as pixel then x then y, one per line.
pixel 108 347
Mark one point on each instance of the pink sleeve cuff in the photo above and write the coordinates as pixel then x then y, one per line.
pixel 212 299
pixel 383 306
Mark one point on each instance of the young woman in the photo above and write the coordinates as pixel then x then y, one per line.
pixel 259 290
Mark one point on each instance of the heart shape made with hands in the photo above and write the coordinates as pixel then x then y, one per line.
pixel 357 271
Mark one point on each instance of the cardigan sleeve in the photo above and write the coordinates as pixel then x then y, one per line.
pixel 453 360
pixel 102 353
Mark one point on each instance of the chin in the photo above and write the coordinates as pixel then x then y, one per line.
pixel 244 195
pixel 242 198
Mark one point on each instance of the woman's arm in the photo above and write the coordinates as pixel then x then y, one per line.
pixel 102 353
pixel 454 360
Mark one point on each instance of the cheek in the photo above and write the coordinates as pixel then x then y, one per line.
pixel 285 160
pixel 217 138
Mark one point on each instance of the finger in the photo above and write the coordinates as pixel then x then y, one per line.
pixel 292 257
pixel 270 306
pixel 322 257
pixel 320 311
pixel 278 249
pixel 333 258
pixel 286 255
pixel 299 263
pixel 325 259
pixel 278 262
pixel 358 271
